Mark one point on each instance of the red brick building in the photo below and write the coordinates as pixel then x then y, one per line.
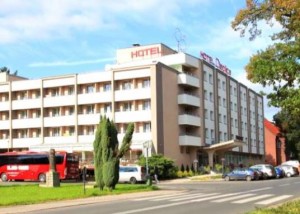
pixel 274 144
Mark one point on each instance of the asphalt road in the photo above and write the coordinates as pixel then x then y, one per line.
pixel 212 197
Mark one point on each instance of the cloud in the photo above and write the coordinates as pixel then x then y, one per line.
pixel 43 19
pixel 73 63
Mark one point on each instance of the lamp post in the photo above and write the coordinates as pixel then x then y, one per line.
pixel 146 146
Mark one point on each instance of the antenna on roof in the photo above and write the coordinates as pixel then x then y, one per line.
pixel 180 39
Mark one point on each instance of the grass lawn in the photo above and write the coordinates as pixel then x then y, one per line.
pixel 31 194
pixel 292 207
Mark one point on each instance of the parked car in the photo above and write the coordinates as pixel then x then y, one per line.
pixel 267 169
pixel 132 174
pixel 241 174
pixel 289 170
pixel 294 163
pixel 279 172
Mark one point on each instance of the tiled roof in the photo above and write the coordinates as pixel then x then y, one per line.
pixel 271 127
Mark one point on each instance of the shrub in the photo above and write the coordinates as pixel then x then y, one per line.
pixel 179 174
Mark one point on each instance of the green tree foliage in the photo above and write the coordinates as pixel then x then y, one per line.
pixel 165 166
pixel 289 127
pixel 182 169
pixel 7 70
pixel 107 153
pixel 279 65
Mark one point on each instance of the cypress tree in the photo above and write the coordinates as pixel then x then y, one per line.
pixel 107 153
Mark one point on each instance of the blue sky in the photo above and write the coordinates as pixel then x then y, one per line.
pixel 42 38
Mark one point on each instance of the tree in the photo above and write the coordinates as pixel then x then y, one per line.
pixel 289 127
pixel 7 70
pixel 107 153
pixel 279 65
pixel 164 166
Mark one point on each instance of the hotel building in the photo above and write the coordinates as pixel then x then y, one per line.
pixel 187 108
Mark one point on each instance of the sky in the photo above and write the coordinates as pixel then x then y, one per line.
pixel 41 38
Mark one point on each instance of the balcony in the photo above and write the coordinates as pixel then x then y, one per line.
pixel 4 106
pixel 189 140
pixel 59 101
pixel 90 98
pixel 180 58
pixel 4 124
pixel 26 123
pixel 25 142
pixel 60 140
pixel 187 99
pixel 187 119
pixel 60 121
pixel 90 119
pixel 185 79
pixel 132 94
pixel 132 116
pixel 26 104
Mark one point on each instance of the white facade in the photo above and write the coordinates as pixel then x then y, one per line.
pixel 179 102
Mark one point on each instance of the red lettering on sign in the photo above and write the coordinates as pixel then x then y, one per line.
pixel 145 52
pixel 218 64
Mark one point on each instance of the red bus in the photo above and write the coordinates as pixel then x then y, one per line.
pixel 34 165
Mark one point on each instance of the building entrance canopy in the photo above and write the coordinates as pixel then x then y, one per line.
pixel 221 147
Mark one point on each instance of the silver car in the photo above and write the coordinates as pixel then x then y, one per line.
pixel 267 169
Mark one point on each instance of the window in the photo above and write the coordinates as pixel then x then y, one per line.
pixel 235 91
pixel 224 103
pixel 236 123
pixel 90 89
pixel 146 83
pixel 219 100
pixel 205 94
pixel 90 109
pixel 219 83
pixel 241 110
pixel 230 90
pixel 231 121
pixel 235 107
pixel 146 105
pixel 211 97
pixel 127 107
pixel 205 76
pixel 225 119
pixel 90 130
pixel 210 79
pixel 206 114
pixel 225 136
pixel 127 85
pixel 107 108
pixel 23 114
pixel 212 116
pixel 206 133
pixel 220 136
pixel 107 87
pixel 55 132
pixel 71 110
pixel 220 118
pixel 223 85
pixel 55 92
pixel 70 90
pixel 147 127
pixel 55 112
pixel 212 134
pixel 231 107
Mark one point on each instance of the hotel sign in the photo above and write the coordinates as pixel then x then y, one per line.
pixel 146 52
pixel 216 63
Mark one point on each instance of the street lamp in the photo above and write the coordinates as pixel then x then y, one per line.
pixel 146 145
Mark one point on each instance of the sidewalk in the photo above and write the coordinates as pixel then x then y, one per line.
pixel 82 201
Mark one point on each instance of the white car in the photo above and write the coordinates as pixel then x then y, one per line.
pixel 294 163
pixel 132 174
